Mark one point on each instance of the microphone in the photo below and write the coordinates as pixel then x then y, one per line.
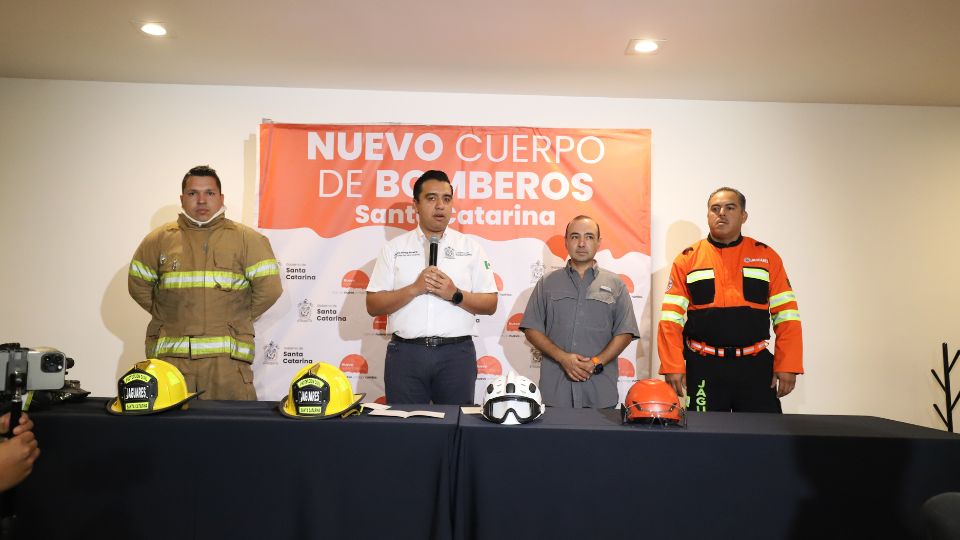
pixel 434 244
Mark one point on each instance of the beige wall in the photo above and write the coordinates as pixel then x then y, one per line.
pixel 861 202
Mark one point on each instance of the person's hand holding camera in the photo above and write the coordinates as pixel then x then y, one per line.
pixel 18 453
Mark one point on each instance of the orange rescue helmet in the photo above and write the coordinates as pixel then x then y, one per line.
pixel 652 401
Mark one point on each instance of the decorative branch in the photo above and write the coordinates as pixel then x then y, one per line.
pixel 949 400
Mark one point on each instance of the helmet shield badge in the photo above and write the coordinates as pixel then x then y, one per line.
pixel 311 395
pixel 137 391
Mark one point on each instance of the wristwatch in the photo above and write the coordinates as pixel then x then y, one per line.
pixel 597 365
pixel 456 298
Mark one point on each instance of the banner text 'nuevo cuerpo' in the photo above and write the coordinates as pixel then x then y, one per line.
pixel 516 148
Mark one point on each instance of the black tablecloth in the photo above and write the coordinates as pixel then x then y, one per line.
pixel 237 470
pixel 581 474
pixel 240 470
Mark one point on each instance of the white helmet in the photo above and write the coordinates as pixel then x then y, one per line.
pixel 512 399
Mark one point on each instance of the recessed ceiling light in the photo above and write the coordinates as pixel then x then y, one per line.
pixel 154 29
pixel 643 46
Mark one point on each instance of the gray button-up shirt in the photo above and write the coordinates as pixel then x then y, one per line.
pixel 580 316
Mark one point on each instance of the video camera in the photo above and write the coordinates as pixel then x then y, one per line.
pixel 23 369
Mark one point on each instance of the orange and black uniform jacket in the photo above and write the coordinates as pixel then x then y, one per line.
pixel 725 295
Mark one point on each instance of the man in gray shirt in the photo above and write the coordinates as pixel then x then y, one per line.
pixel 581 318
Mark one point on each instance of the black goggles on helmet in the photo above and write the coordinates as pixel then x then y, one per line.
pixel 498 409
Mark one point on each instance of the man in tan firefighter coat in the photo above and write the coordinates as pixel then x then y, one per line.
pixel 204 279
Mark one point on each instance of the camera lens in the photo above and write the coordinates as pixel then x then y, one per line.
pixel 51 363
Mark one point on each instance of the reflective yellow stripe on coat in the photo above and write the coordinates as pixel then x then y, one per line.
pixel 204 346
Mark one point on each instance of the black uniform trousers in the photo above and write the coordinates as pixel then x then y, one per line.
pixel 738 383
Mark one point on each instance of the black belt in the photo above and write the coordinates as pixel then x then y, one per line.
pixel 432 341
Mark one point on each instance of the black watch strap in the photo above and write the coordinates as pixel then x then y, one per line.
pixel 457 298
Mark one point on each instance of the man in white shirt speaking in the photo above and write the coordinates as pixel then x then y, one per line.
pixel 431 294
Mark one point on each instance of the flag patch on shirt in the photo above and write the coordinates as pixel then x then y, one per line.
pixel 486 264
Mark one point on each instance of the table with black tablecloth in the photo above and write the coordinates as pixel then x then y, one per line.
pixel 241 470
pixel 581 474
pixel 237 470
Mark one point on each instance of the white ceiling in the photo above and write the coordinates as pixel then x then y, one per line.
pixel 898 52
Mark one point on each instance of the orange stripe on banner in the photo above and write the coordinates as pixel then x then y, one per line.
pixel 509 182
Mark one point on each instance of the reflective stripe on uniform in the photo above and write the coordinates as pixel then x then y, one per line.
pixel 756 273
pixel 698 275
pixel 142 271
pixel 204 345
pixel 266 267
pixel 786 315
pixel 782 298
pixel 672 316
pixel 203 279
pixel 222 345
pixel 170 345
pixel 676 300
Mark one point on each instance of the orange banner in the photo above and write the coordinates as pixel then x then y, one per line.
pixel 509 182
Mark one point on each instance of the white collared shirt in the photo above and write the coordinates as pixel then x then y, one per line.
pixel 459 257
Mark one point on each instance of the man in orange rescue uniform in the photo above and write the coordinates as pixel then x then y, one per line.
pixel 715 321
